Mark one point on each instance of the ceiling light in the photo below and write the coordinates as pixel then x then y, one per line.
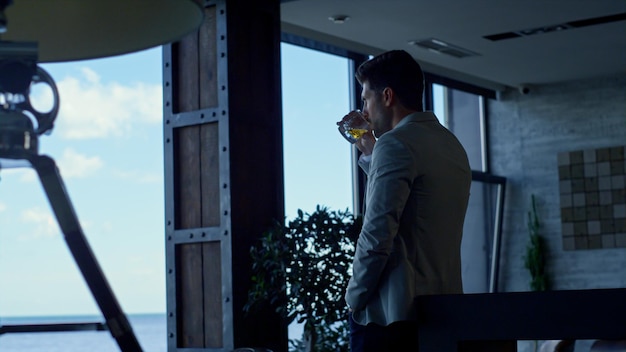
pixel 441 47
pixel 339 19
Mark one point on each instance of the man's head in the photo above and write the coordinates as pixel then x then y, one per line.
pixel 393 85
pixel 397 70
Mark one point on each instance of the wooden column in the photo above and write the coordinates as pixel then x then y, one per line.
pixel 223 173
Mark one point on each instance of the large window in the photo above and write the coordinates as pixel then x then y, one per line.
pixel 317 159
pixel 462 113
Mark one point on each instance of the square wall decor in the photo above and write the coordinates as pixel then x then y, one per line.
pixel 592 187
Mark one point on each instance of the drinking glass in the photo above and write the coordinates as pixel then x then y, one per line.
pixel 353 126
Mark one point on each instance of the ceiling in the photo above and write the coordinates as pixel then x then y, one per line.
pixel 532 42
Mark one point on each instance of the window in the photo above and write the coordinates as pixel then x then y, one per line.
pixel 317 160
pixel 462 113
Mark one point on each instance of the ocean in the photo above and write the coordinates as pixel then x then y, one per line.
pixel 150 330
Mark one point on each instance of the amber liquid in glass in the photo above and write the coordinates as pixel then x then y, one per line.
pixel 357 132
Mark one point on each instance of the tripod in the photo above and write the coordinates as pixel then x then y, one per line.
pixel 19 142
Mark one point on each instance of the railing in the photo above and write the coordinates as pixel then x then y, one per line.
pixel 53 327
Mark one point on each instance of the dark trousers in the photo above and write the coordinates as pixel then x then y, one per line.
pixel 397 337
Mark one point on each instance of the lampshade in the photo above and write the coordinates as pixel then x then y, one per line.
pixel 68 30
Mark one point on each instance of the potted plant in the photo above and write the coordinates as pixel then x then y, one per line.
pixel 302 269
pixel 534 259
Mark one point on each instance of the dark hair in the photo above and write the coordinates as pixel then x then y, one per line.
pixel 397 70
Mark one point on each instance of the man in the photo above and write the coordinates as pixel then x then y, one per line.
pixel 418 181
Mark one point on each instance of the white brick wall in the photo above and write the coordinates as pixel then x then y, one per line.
pixel 527 133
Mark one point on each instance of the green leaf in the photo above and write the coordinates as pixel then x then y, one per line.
pixel 302 270
pixel 534 258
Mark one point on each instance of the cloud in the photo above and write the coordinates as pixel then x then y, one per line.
pixel 41 223
pixel 3 207
pixel 75 165
pixel 44 223
pixel 90 108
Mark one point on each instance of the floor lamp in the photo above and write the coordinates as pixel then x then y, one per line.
pixel 35 31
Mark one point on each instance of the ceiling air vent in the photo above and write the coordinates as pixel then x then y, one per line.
pixel 557 27
pixel 442 47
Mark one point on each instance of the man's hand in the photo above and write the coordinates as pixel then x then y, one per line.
pixel 366 143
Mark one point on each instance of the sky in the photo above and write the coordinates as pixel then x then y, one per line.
pixel 108 145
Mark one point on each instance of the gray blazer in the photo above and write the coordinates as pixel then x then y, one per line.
pixel 417 193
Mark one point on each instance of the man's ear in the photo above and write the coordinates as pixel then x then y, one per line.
pixel 388 96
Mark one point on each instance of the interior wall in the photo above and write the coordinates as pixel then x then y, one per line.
pixel 526 132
